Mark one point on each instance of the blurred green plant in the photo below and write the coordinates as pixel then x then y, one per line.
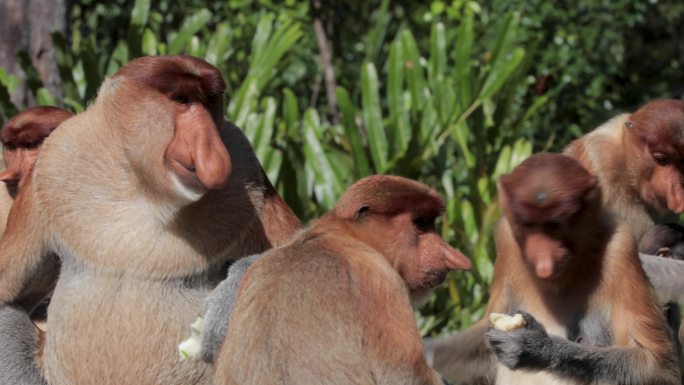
pixel 448 114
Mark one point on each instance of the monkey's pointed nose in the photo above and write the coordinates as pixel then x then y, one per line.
pixel 457 261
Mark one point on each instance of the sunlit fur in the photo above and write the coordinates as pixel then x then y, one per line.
pixel 333 306
pixel 621 153
pixel 600 279
pixel 138 255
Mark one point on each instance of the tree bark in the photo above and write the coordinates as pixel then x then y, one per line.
pixel 326 60
pixel 27 25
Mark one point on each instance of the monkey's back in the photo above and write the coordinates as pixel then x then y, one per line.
pixel 304 316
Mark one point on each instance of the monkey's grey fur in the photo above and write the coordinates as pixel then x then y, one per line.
pixel 18 346
pixel 219 306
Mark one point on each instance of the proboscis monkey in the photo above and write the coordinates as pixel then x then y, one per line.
pixel 573 271
pixel 162 195
pixel 333 305
pixel 21 138
pixel 639 159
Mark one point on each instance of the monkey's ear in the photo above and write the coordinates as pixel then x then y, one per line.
pixel 594 192
pixel 628 123
pixel 362 211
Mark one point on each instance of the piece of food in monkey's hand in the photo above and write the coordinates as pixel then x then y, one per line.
pixel 190 348
pixel 505 322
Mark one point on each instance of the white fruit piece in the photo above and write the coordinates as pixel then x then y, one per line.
pixel 190 348
pixel 505 322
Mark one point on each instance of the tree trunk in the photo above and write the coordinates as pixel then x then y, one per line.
pixel 27 25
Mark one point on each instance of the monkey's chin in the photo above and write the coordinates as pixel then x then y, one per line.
pixel 12 189
pixel 420 294
pixel 187 192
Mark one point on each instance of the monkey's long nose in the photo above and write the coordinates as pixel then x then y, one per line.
pixel 11 176
pixel 455 260
pixel 675 197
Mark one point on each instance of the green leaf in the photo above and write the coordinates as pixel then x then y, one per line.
pixel 414 71
pixel 438 57
pixel 372 117
pixel 149 43
pixel 191 25
pixel 44 97
pixel 93 77
pixel 399 119
pixel 326 186
pixel 361 167
pixel 501 72
pixel 464 47
pixel 291 114
pixel 218 48
pixel 139 14
pixel 65 66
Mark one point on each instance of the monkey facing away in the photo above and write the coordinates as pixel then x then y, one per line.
pixel 638 158
pixel 574 273
pixel 333 306
pixel 162 195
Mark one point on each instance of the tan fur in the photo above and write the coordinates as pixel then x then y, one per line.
pixel 329 307
pixel 139 251
pixel 606 153
pixel 5 205
pixel 603 276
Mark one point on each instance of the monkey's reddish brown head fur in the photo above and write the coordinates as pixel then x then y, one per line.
pixel 655 144
pixel 396 217
pixel 183 111
pixel 543 198
pixel 21 139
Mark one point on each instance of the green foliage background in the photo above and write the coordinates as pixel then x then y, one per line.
pixel 453 93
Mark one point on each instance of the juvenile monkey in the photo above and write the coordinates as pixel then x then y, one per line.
pixel 333 306
pixel 162 195
pixel 562 258
pixel 638 159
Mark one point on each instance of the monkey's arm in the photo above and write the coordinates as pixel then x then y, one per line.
pixel 531 348
pixel 665 275
pixel 219 306
pixel 463 357
pixel 27 272
pixel 19 342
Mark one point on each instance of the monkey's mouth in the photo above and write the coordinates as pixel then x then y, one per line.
pixel 433 278
pixel 12 187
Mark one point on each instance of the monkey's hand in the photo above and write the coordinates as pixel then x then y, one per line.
pixel 522 348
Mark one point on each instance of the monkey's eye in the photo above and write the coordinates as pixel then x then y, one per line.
pixel 10 146
pixel 422 223
pixel 660 158
pixel 33 145
pixel 211 99
pixel 181 99
pixel 553 225
pixel 361 211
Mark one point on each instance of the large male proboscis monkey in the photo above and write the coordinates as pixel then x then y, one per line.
pixel 163 194
pixel 573 271
pixel 22 137
pixel 333 305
